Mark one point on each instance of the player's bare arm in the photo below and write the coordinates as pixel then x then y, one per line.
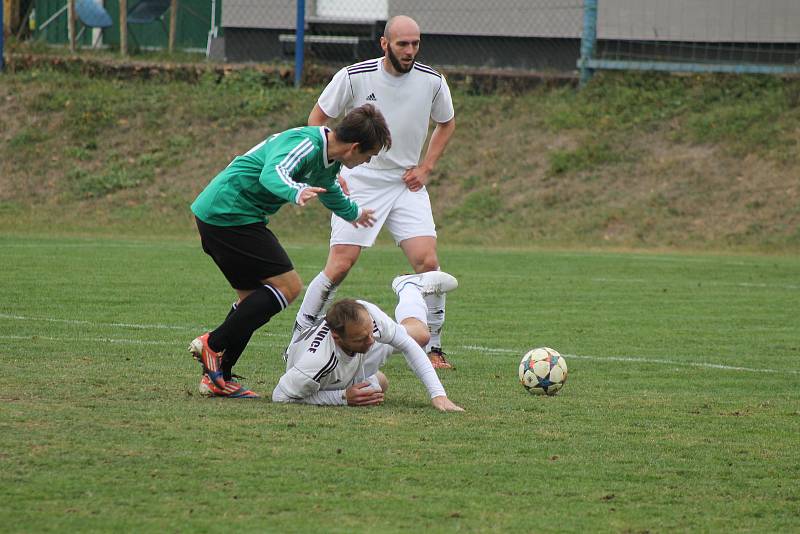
pixel 317 117
pixel 417 177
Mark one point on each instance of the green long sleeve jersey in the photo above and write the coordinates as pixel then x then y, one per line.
pixel 272 173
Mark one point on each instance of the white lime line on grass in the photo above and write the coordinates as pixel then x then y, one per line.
pixel 272 334
pixel 467 347
pixel 643 360
pixel 655 257
pixel 121 325
pixel 79 321
pixel 121 341
pixel 700 283
pixel 94 339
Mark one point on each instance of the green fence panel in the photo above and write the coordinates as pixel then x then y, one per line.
pixel 193 25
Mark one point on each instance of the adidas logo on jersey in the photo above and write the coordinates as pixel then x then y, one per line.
pixel 371 98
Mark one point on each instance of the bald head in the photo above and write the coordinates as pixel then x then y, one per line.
pixel 400 25
pixel 400 44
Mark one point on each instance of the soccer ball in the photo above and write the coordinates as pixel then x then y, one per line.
pixel 543 371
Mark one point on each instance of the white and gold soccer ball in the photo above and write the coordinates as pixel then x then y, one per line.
pixel 543 371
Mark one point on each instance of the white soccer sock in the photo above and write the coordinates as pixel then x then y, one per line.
pixel 435 319
pixel 411 304
pixel 318 297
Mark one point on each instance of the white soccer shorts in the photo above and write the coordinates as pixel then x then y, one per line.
pixel 406 214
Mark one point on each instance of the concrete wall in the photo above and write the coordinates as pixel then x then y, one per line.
pixel 506 18
pixel 279 14
pixel 661 20
pixel 727 21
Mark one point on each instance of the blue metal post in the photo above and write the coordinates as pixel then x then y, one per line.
pixel 2 34
pixel 588 40
pixel 299 42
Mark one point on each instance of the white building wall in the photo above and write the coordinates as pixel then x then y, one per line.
pixel 753 21
pixel 662 20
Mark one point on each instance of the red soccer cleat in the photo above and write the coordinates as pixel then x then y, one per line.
pixel 209 359
pixel 231 390
pixel 438 360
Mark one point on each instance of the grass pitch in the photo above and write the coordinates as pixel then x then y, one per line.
pixel 681 412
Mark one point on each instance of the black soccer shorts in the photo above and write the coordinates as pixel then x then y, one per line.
pixel 246 254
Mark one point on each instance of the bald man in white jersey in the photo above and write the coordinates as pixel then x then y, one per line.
pixel 410 95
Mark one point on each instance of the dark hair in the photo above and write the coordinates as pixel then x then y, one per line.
pixel 343 312
pixel 366 126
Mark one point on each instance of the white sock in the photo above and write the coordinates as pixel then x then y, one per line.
pixel 318 297
pixel 435 319
pixel 410 304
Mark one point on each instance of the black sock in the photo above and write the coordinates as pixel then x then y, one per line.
pixel 231 356
pixel 250 315
pixel 232 353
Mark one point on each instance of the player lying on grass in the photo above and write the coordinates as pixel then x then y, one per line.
pixel 336 361
pixel 231 215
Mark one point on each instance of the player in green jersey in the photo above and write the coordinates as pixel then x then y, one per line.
pixel 231 213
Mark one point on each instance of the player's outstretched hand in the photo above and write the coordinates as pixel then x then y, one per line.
pixel 362 394
pixel 443 404
pixel 416 178
pixel 343 185
pixel 309 193
pixel 366 220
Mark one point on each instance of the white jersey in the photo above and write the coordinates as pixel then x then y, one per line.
pixel 407 101
pixel 318 371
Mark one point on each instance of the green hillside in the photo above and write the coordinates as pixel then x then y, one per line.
pixel 632 161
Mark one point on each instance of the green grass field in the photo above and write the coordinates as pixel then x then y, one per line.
pixel 681 413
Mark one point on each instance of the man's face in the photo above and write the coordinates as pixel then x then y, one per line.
pixel 402 50
pixel 354 157
pixel 357 335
